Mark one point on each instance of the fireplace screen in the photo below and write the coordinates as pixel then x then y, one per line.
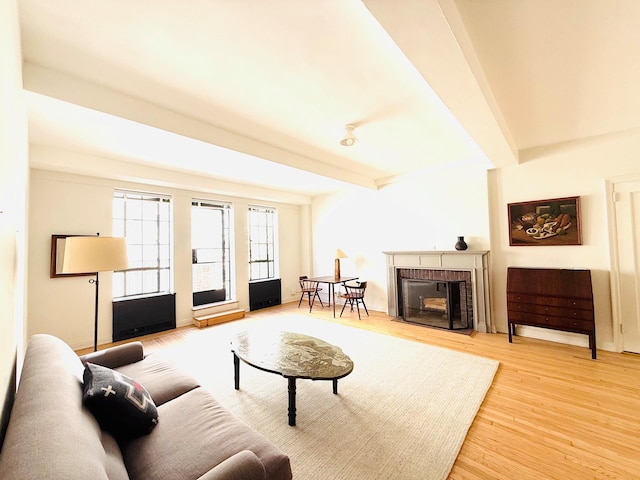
pixel 434 303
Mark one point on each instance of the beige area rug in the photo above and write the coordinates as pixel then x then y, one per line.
pixel 403 413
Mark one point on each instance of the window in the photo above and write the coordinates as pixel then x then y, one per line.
pixel 211 252
pixel 145 221
pixel 263 233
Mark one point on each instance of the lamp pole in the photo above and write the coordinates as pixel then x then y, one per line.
pixel 95 321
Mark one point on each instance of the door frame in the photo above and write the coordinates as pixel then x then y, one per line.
pixel 614 258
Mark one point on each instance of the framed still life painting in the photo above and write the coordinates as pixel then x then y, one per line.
pixel 545 222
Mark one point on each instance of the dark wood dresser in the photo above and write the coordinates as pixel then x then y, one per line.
pixel 551 298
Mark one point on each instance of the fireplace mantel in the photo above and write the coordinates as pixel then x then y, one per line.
pixel 474 261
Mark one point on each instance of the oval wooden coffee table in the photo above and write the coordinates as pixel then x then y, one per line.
pixel 292 355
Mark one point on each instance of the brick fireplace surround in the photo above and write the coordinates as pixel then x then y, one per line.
pixel 471 266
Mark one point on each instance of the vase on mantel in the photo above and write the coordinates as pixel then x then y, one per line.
pixel 461 244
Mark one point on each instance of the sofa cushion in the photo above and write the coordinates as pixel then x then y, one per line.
pixel 121 405
pixel 162 381
pixel 196 434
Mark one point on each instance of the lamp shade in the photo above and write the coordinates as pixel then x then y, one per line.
pixel 94 254
pixel 340 254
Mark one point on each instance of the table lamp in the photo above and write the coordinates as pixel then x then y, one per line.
pixel 339 254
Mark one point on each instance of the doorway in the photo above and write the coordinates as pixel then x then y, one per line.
pixel 624 207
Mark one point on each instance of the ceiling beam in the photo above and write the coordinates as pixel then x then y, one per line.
pixel 76 91
pixel 432 36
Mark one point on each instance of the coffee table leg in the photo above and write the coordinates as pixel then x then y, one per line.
pixel 292 401
pixel 236 371
pixel 335 386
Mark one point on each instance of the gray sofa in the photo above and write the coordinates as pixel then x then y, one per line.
pixel 52 435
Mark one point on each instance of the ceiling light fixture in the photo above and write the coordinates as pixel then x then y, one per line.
pixel 349 138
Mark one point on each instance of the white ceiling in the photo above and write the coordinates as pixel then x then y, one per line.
pixel 559 69
pixel 426 82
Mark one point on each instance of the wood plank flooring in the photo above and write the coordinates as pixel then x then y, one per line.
pixel 551 413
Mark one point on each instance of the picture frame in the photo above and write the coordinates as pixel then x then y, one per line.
pixel 57 257
pixel 555 221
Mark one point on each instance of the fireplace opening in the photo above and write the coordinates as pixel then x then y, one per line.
pixel 434 303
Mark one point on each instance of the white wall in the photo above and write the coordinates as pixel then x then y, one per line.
pixel 576 168
pixel 423 212
pixel 13 188
pixel 63 203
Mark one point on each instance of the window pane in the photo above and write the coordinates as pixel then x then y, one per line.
pixel 150 280
pixel 150 256
pixel 255 271
pixel 135 256
pixel 165 256
pixel 118 208
pixel 164 236
pixel 150 210
pixel 118 229
pixel 118 284
pixel 165 280
pixel 209 255
pixel 134 231
pixel 134 209
pixel 164 210
pixel 150 232
pixel 134 282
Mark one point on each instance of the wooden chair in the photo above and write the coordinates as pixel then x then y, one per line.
pixel 354 295
pixel 309 288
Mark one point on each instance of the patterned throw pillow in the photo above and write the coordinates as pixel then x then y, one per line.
pixel 121 405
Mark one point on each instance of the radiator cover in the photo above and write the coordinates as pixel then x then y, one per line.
pixel 264 294
pixel 140 316
pixel 209 296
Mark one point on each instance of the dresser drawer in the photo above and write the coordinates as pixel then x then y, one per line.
pixel 565 312
pixel 550 321
pixel 565 302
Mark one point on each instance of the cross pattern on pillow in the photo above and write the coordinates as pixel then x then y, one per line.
pixel 135 392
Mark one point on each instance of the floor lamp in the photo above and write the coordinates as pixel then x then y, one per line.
pixel 94 255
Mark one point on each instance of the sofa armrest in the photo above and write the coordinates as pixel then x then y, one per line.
pixel 244 465
pixel 117 356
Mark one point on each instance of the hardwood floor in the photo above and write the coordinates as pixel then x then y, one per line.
pixel 551 413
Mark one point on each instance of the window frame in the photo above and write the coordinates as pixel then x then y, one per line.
pixel 164 242
pixel 227 254
pixel 270 254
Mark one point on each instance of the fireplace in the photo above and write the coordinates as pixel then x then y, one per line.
pixel 469 269
pixel 446 291
pixel 434 303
